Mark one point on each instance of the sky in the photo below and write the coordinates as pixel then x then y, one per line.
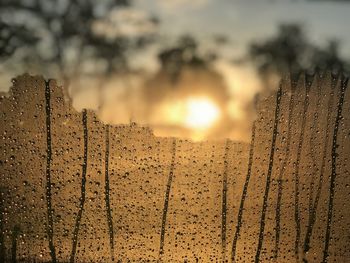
pixel 242 22
pixel 246 20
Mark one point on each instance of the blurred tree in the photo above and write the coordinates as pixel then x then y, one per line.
pixel 291 51
pixel 184 54
pixel 330 58
pixel 65 38
pixel 186 70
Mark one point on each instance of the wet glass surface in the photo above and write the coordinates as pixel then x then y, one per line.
pixel 76 190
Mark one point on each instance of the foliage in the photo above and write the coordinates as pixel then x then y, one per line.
pixel 67 36
pixel 291 51
pixel 184 54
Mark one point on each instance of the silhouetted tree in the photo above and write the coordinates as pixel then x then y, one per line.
pixel 185 53
pixel 185 71
pixel 330 58
pixel 291 51
pixel 64 36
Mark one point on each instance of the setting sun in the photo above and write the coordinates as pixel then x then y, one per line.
pixel 201 113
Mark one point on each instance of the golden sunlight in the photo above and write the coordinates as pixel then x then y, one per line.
pixel 191 117
pixel 201 113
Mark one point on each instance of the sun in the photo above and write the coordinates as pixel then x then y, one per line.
pixel 201 113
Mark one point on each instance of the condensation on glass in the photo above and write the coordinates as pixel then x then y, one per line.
pixel 76 190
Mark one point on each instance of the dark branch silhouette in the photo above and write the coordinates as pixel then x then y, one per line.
pixel 107 200
pixel 308 83
pixel 244 193
pixel 83 189
pixel 50 228
pixel 314 203
pixel 224 202
pixel 166 199
pixel 283 167
pixel 269 173
pixel 343 87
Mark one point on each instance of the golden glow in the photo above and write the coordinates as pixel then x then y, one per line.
pixel 201 113
pixel 191 117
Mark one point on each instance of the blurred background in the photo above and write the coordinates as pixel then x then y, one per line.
pixel 186 68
